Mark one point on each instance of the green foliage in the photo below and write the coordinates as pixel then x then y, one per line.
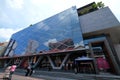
pixel 86 10
pixel 94 6
pixel 100 4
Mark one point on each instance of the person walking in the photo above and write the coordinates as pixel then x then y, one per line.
pixel 7 73
pixel 28 70
pixel 12 70
pixel 32 69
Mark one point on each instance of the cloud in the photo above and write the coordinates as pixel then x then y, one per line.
pixel 81 44
pixel 50 41
pixel 6 33
pixel 21 13
pixel 42 26
pixel 4 18
pixel 15 4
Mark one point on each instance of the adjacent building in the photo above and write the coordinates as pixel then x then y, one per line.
pixel 3 46
pixel 86 39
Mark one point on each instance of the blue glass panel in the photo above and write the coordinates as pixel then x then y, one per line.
pixel 59 31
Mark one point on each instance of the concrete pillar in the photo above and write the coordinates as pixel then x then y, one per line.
pixel 94 61
pixel 117 68
pixel 39 59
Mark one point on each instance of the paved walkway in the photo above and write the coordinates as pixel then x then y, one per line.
pixel 20 77
pixel 54 75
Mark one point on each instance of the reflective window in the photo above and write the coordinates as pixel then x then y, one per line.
pixel 60 31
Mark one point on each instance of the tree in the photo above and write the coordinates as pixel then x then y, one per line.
pixel 94 6
pixel 100 4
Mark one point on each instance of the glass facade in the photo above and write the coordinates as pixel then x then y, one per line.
pixel 60 31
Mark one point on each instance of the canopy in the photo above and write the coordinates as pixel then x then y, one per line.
pixel 83 58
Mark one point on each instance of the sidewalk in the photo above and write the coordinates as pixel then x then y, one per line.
pixel 19 77
pixel 54 75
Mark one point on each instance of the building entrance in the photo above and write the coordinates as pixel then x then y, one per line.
pixel 103 57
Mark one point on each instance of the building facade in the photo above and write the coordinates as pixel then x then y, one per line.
pixel 73 39
pixel 3 46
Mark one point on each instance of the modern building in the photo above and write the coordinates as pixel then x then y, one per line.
pixel 3 46
pixel 86 39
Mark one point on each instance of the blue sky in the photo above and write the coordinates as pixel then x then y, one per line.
pixel 18 14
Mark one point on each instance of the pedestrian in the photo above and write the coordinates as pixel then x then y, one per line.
pixel 7 73
pixel 12 70
pixel 28 70
pixel 76 67
pixel 32 69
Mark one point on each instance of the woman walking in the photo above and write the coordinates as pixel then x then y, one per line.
pixel 12 70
